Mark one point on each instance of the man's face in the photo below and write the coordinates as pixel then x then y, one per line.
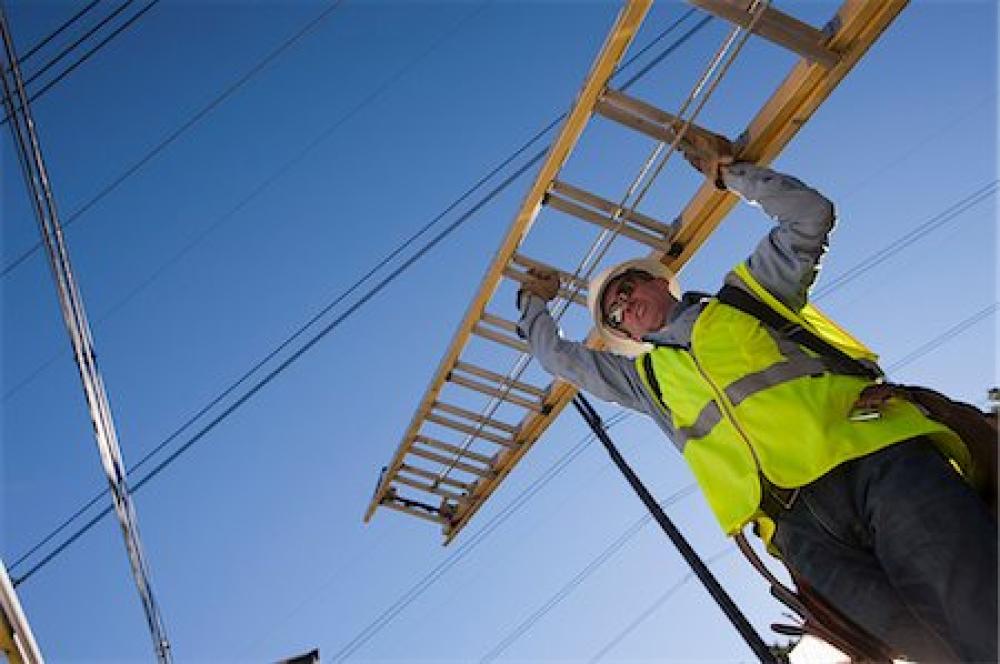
pixel 637 303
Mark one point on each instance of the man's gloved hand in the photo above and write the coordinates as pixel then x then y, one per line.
pixel 541 283
pixel 707 152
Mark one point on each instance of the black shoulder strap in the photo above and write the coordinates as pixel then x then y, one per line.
pixel 748 304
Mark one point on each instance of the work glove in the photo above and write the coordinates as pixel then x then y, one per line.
pixel 542 283
pixel 707 152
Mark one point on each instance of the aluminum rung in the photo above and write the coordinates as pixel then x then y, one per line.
pixel 451 463
pixel 593 200
pixel 500 379
pixel 476 431
pixel 392 503
pixel 657 243
pixel 489 390
pixel 436 477
pixel 485 332
pixel 474 417
pixel 453 449
pixel 778 27
pixel 430 488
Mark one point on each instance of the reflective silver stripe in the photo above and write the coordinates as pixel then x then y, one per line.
pixel 782 372
pixel 709 416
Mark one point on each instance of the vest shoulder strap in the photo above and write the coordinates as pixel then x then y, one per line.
pixel 740 299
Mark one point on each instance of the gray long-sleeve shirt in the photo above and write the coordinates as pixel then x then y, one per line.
pixel 785 262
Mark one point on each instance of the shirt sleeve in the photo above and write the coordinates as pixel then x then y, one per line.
pixel 786 261
pixel 606 375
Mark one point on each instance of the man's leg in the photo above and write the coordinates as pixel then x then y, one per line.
pixel 819 540
pixel 937 543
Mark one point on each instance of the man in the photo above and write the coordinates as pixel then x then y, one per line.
pixel 848 483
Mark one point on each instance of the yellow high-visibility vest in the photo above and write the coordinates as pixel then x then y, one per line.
pixel 747 402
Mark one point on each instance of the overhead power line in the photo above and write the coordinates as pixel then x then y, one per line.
pixel 467 546
pixel 90 52
pixel 177 133
pixel 58 31
pixel 943 338
pixel 940 219
pixel 79 40
pixel 282 170
pixel 655 606
pixel 595 563
pixel 302 329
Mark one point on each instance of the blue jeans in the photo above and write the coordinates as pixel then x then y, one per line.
pixel 902 545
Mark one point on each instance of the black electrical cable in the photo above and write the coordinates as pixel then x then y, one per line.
pixel 86 56
pixel 58 31
pixel 301 351
pixel 79 40
pixel 273 177
pixel 941 218
pixel 173 136
pixel 337 300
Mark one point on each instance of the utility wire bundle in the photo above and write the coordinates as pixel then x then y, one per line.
pixel 36 177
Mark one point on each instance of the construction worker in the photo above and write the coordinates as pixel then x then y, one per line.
pixel 853 487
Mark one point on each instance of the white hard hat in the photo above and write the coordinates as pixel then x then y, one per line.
pixel 616 340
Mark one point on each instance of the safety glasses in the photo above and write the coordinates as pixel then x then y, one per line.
pixel 614 311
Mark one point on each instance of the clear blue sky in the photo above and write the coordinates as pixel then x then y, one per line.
pixel 254 536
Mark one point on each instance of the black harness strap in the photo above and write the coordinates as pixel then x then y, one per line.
pixel 740 299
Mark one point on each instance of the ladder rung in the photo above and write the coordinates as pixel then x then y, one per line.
pixel 497 321
pixel 778 27
pixel 499 379
pixel 474 417
pixel 447 461
pixel 481 330
pixel 430 488
pixel 478 432
pixel 453 449
pixel 392 503
pixel 584 214
pixel 489 390
pixel 604 205
pixel 436 477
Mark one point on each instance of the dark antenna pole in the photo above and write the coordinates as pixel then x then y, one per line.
pixel 713 586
